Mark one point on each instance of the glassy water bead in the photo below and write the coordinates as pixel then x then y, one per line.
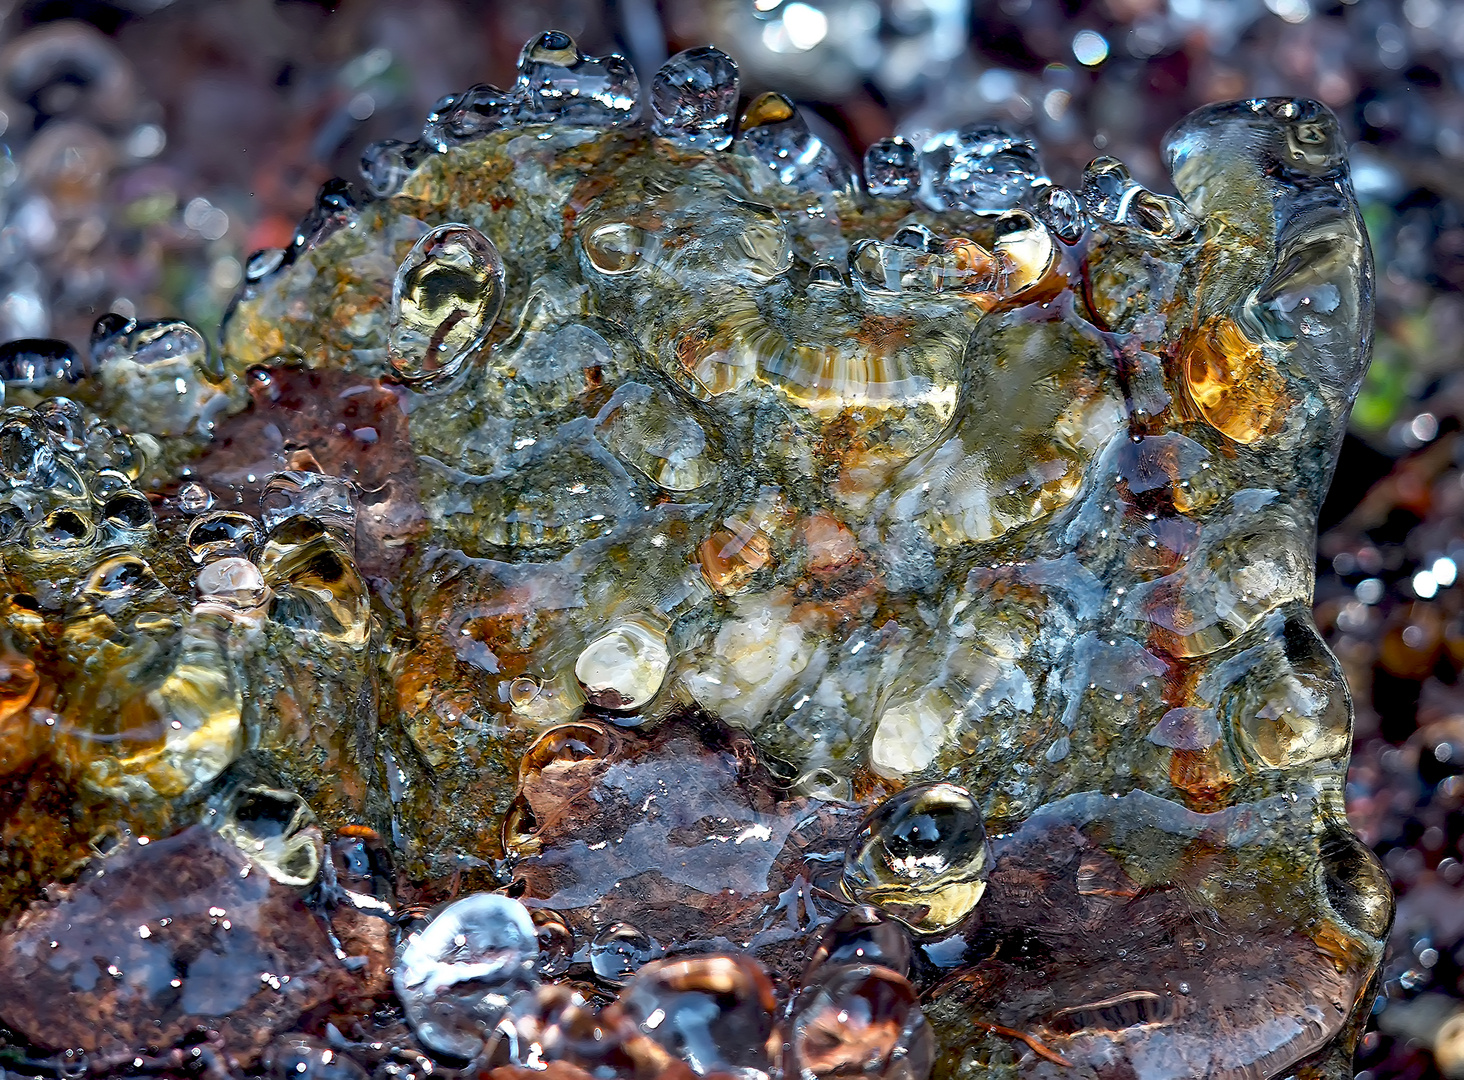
pixel 446 294
pixel 330 500
pixel 981 168
pixel 556 82
pixel 694 99
pixel 556 944
pixel 456 977
pixel 1062 212
pixel 619 950
pixel 860 936
pixel 233 581
pixel 277 830
pixel 862 1022
pixel 892 168
pixel 470 115
pixel 566 743
pixel 194 499
pixel 617 247
pixel 772 131
pixel 25 451
pixel 65 426
pixel 1024 250
pixel 221 533
pixel 263 263
pixel 921 856
pixel 715 1013
pixel 385 166
pixel 623 668
pixel 128 510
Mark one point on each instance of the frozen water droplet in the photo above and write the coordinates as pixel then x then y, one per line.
pixel 774 133
pixel 114 581
pixel 127 511
pixel 263 263
pixel 566 743
pixel 713 1012
pixel 385 165
pixel 556 944
pixel 64 424
pixel 556 82
pixel 694 99
pixel 222 533
pixel 194 499
pixel 1061 212
pixel 277 830
pixel 864 1021
pixel 921 856
pixel 447 293
pixel 162 375
pixel 980 168
pixel 329 500
pixel 892 169
pixel 1111 194
pixel 860 936
pixel 25 452
pixel 616 247
pixel 33 362
pixel 456 977
pixel 1024 251
pixel 619 950
pixel 825 275
pixel 623 668
pixel 234 582
pixel 315 581
pixel 470 115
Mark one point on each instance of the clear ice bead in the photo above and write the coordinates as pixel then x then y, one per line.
pixel 330 500
pixel 892 169
pixel 694 99
pixel 276 830
pixel 619 951
pixel 457 977
pixel 979 168
pixel 556 82
pixel 1061 211
pixel 921 856
pixel 470 115
pixel 862 1022
pixel 860 936
pixel 385 165
pixel 1111 194
pixel 447 292
pixel 194 499
pixel 774 133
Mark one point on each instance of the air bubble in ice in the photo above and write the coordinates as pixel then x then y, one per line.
pixel 980 168
pixel 447 292
pixel 557 82
pixel 694 99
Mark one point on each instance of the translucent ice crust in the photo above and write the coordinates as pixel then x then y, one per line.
pixel 802 592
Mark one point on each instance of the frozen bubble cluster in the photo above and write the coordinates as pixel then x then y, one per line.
pixel 634 592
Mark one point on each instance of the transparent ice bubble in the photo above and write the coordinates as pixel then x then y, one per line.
pixel 446 295
pixel 892 169
pixel 385 165
pixel 774 133
pixel 330 500
pixel 33 362
pixel 860 936
pixel 921 856
pixel 221 533
pixel 623 668
pixel 470 115
pixel 1111 194
pixel 861 1022
pixel 694 99
pixel 194 499
pixel 619 950
pixel 1061 211
pixel 277 830
pixel 556 82
pixel 458 977
pixel 980 168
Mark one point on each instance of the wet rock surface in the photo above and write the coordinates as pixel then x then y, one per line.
pixel 681 562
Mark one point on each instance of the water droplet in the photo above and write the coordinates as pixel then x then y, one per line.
pixel 25 452
pixel 117 580
pixel 457 976
pixel 892 169
pixel 277 830
pixel 329 500
pixel 194 499
pixel 315 581
pixel 447 293
pixel 623 668
pixel 617 247
pixel 694 99
pixel 713 1012
pixel 62 531
pixel 263 263
pixel 1060 210
pixel 128 511
pixel 921 856
pixel 221 533
pixel 566 743
pixel 556 944
pixel 33 362
pixel 619 950
pixel 1024 250
pixel 773 132
pixel 863 1022
pixel 65 426
pixel 1111 194
pixel 470 115
pixel 234 582
pixel 981 168
pixel 860 936
pixel 385 165
pixel 558 83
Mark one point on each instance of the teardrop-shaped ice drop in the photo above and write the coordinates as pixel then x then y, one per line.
pixel 892 169
pixel 773 132
pixel 558 82
pixel 1061 212
pixel 979 168
pixel 694 99
pixel 447 293
pixel 1111 194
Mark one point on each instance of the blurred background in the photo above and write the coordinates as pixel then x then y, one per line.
pixel 147 147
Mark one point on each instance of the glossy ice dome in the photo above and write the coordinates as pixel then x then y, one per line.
pixel 783 492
